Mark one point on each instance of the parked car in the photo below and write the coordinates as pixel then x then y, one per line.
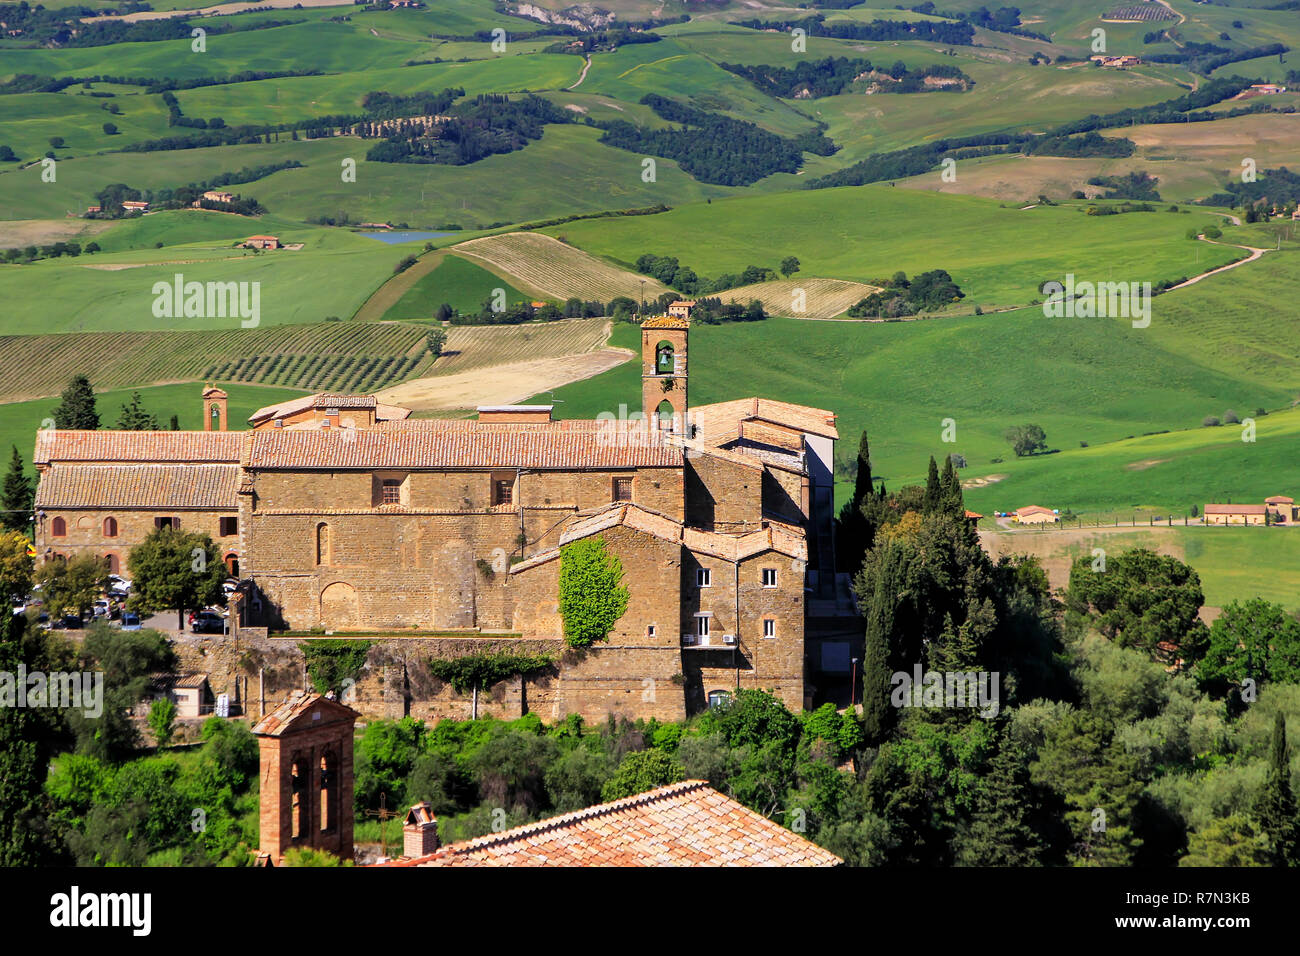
pixel 207 622
pixel 130 622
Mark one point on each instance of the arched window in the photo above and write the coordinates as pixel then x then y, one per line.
pixel 667 415
pixel 664 362
pixel 58 528
pixel 216 417
pixel 323 550
pixel 717 698
pixel 298 782
pixel 232 564
pixel 114 566
pixel 110 527
pixel 329 791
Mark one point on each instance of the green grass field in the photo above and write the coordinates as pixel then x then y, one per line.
pixel 455 281
pixel 998 255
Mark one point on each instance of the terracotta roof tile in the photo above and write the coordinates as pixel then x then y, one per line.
pixel 723 421
pixel 132 487
pixel 457 443
pixel 666 322
pixel 683 824
pixel 128 446
pixel 297 705
pixel 320 400
pixel 1235 509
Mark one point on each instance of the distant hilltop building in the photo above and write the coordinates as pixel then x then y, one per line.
pixel 262 242
pixel 213 195
pixel 340 513
pixel 1034 514
pixel 1116 61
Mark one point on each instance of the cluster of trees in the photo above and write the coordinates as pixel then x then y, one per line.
pixel 900 296
pixel 833 75
pixel 1272 188
pixel 685 279
pixel 877 31
pixel 715 148
pixel 380 105
pixel 1099 751
pixel 48 251
pixel 604 41
pixel 1205 58
pixel 1026 439
pixel 1138 184
pixel 1089 144
pixel 36 83
pixel 487 125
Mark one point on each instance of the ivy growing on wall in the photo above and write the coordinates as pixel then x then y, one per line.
pixel 330 662
pixel 483 670
pixel 591 596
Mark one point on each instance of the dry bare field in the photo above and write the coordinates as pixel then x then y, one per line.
pixel 823 298
pixel 556 270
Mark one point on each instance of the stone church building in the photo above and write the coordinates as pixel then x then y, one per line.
pixel 340 514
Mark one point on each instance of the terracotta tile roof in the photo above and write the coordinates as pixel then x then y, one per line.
pixel 391 412
pixel 776 536
pixel 132 487
pixel 1235 509
pixel 683 824
pixel 459 443
pixel 666 322
pixel 190 681
pixel 213 392
pixel 1033 510
pixel 164 447
pixel 303 706
pixel 320 400
pixel 722 421
pixel 1279 500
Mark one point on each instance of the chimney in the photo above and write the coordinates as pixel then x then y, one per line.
pixel 420 832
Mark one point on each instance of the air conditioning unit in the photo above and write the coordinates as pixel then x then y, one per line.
pixel 688 640
pixel 728 638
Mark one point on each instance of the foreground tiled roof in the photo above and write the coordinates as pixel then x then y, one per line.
pixel 725 421
pixel 776 536
pixel 458 443
pixel 163 447
pixel 130 487
pixel 683 824
pixel 302 705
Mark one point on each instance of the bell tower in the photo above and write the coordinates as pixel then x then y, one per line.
pixel 214 409
pixel 663 368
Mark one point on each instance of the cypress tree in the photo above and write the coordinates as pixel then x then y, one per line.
pixel 1276 806
pixel 880 646
pixel 176 424
pixel 1001 831
pixel 16 499
pixel 950 490
pixel 933 493
pixel 135 417
pixel 77 408
pixel 862 487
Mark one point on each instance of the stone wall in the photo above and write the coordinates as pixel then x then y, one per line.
pixel 85 531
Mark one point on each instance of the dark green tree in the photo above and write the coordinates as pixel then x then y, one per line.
pixel 1002 831
pixel 1276 806
pixel 175 569
pixel 789 266
pixel 77 408
pixel 1252 639
pixel 641 770
pixel 17 496
pixel 933 490
pixel 135 417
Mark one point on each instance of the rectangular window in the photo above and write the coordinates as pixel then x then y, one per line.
pixel 503 491
pixel 702 626
pixel 703 578
pixel 769 577
pixel 650 631
pixel 164 522
pixel 622 489
pixel 391 492
pixel 769 627
pixel 228 527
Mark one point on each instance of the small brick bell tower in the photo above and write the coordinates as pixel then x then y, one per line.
pixel 214 409
pixel 305 760
pixel 663 368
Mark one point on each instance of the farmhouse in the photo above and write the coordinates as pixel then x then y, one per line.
pixel 131 205
pixel 262 242
pixel 340 513
pixel 213 195
pixel 1033 514
pixel 1235 514
pixel 1116 61
pixel 93 209
pixel 1278 509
